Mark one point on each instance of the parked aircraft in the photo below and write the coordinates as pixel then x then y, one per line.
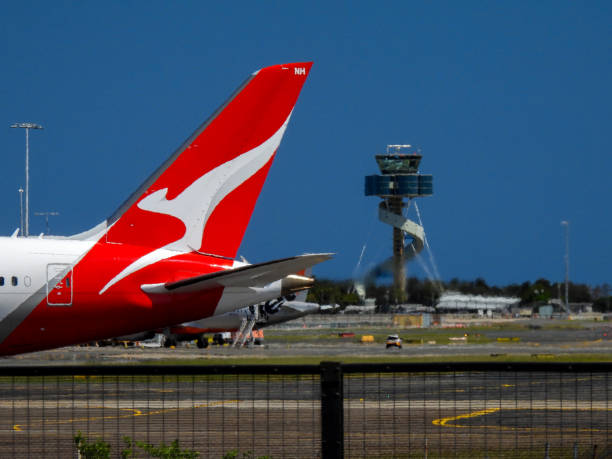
pixel 243 320
pixel 167 255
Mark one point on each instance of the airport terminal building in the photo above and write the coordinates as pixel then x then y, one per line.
pixel 484 305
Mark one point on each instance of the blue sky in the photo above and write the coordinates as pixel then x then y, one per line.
pixel 510 103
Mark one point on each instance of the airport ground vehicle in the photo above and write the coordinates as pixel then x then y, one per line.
pixel 394 341
pixel 222 338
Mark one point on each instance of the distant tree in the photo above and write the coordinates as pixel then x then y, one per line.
pixel 326 291
pixel 379 293
pixel 453 284
pixel 603 304
pixel 422 292
pixel 480 287
pixel 511 290
pixel 383 308
pixel 601 291
pixel 579 293
pixel 524 291
pixel 350 298
pixel 426 292
pixel 539 292
pixel 545 283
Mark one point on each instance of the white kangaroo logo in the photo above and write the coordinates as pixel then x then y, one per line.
pixel 194 205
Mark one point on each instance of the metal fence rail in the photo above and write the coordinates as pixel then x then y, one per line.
pixel 329 410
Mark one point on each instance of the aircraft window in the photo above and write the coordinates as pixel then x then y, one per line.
pixel 67 282
pixel 1 281
pixel 14 281
pixel 27 281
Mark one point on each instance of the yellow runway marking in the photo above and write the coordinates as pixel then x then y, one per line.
pixel 445 421
pixel 134 413
pixel 568 379
pixel 21 427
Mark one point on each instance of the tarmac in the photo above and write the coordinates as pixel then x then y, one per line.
pixel 543 339
pixel 385 415
pixel 434 414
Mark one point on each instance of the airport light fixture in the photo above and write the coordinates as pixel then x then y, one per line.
pixel 46 215
pixel 20 211
pixel 566 258
pixel 27 127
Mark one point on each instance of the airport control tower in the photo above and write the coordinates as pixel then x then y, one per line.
pixel 400 181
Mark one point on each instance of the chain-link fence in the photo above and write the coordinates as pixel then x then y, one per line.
pixel 330 410
pixel 477 410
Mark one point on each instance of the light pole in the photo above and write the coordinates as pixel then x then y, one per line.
pixel 46 215
pixel 20 211
pixel 27 127
pixel 566 224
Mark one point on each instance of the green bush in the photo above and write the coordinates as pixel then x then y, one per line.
pixel 171 451
pixel 97 450
pixel 101 449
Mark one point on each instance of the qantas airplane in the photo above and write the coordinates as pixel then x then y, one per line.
pixel 258 316
pixel 167 255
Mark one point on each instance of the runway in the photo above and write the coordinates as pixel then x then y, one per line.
pixel 385 414
pixel 552 338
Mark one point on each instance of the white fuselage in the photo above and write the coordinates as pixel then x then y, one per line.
pixel 26 262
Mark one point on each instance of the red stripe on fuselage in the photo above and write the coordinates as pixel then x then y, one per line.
pixel 124 308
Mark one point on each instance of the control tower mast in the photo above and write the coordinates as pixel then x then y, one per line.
pixel 400 180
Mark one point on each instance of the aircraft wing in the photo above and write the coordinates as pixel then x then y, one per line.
pixel 257 275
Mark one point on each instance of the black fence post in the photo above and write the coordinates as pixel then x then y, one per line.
pixel 332 411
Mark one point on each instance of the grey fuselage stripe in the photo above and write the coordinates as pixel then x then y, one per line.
pixel 10 323
pixel 18 315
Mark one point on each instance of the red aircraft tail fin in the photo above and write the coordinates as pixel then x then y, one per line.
pixel 202 197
